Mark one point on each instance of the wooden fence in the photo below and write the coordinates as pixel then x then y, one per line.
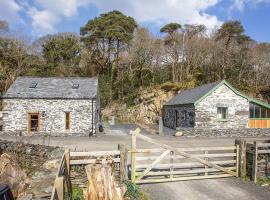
pixel 175 164
pixel 62 186
pixel 258 159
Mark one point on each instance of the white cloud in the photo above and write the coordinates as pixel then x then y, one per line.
pixel 241 4
pixel 43 21
pixel 9 11
pixel 164 11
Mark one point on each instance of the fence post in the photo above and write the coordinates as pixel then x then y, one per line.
pixel 59 187
pixel 67 157
pixel 255 162
pixel 123 162
pixel 238 163
pixel 133 156
pixel 206 166
pixel 241 154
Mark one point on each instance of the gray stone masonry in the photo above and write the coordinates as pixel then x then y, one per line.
pixel 52 116
pixel 238 110
pixel 186 116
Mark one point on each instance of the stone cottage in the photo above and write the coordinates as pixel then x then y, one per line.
pixel 57 106
pixel 216 105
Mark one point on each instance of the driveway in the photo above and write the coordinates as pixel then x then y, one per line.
pixel 210 189
pixel 207 189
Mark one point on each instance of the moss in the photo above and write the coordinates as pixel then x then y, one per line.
pixel 134 192
pixel 77 193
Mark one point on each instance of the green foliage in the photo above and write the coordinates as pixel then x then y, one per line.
pixel 130 99
pixel 232 30
pixel 168 86
pixel 263 181
pixel 170 28
pixel 77 193
pixel 134 193
pixel 61 53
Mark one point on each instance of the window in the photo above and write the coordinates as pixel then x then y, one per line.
pixel 67 120
pixel 222 112
pixel 33 122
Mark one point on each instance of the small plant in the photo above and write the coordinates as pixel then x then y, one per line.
pixel 133 192
pixel 77 193
pixel 263 181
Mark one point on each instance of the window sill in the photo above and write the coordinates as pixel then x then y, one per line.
pixel 223 120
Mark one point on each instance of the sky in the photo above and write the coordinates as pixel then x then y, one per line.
pixel 37 18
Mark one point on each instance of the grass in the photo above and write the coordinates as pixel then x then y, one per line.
pixel 134 192
pixel 77 193
pixel 263 181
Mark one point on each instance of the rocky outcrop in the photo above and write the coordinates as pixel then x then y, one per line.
pixel 13 175
pixel 148 106
pixel 29 169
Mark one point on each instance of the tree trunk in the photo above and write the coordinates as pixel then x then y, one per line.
pixel 102 184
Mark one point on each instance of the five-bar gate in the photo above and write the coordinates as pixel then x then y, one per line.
pixel 167 163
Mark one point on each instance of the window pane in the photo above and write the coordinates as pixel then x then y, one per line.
pixel 257 112
pixel 268 113
pixel 263 113
pixel 67 121
pixel 222 113
pixel 251 111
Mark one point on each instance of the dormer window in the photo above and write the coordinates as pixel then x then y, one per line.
pixel 75 86
pixel 33 85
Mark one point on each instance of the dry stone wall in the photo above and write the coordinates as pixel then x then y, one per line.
pixel 238 110
pixel 52 116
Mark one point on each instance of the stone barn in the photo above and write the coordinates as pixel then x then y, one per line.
pixel 216 105
pixel 57 106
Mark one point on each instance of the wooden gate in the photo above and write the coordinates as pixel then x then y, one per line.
pixel 167 163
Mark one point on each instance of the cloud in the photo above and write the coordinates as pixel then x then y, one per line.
pixel 241 4
pixel 9 11
pixel 51 12
pixel 164 11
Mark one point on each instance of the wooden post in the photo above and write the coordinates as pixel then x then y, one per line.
pixel 255 162
pixel 238 164
pixel 171 166
pixel 133 156
pixel 206 166
pixel 123 162
pixel 59 187
pixel 244 159
pixel 67 157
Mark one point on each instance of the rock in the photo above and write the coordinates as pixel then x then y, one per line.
pixel 13 175
pixel 178 134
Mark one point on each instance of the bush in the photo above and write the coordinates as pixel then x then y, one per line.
pixel 168 86
pixel 134 193
pixel 77 193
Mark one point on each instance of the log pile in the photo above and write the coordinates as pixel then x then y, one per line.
pixel 101 181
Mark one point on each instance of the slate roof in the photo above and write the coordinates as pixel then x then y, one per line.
pixel 192 95
pixel 53 88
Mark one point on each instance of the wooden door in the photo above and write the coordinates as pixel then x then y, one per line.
pixel 33 122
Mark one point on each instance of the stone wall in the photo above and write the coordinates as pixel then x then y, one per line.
pixel 29 169
pixel 186 116
pixel 212 133
pixel 52 116
pixel 238 110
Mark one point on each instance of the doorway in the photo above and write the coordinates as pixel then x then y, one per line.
pixel 33 122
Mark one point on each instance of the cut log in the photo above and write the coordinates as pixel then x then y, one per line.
pixel 101 182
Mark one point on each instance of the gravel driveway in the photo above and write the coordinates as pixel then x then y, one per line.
pixel 211 189
pixel 207 189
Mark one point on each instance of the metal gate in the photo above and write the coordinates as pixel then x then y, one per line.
pixel 167 163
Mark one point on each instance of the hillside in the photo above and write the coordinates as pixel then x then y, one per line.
pixel 148 104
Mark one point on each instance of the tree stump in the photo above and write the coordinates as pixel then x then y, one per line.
pixel 101 182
